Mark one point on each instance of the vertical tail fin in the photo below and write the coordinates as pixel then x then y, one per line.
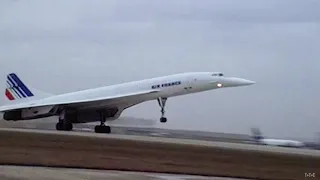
pixel 256 134
pixel 17 90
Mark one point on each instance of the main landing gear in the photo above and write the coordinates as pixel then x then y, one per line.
pixel 64 123
pixel 63 126
pixel 102 128
pixel 162 103
pixel 66 119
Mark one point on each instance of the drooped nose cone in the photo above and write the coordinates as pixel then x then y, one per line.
pixel 245 82
pixel 231 82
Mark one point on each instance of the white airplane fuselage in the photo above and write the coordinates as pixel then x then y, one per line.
pixel 168 86
pixel 282 142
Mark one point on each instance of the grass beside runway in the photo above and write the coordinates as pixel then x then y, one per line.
pixel 28 148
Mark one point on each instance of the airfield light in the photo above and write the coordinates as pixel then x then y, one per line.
pixel 219 85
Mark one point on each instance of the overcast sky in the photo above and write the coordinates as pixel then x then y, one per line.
pixel 62 46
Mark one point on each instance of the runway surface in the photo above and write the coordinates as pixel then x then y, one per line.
pixel 236 146
pixel 40 173
pixel 86 150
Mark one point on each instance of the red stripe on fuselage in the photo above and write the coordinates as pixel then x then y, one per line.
pixel 9 95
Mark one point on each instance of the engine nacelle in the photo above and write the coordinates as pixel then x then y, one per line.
pixel 85 116
pixel 29 113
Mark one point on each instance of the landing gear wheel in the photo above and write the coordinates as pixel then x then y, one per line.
pixel 68 127
pixel 65 123
pixel 102 129
pixel 60 126
pixel 162 103
pixel 163 119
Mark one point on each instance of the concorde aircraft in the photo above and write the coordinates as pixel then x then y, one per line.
pixel 106 103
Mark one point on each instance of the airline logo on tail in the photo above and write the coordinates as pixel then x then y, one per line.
pixel 16 89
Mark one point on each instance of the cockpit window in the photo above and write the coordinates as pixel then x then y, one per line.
pixel 217 74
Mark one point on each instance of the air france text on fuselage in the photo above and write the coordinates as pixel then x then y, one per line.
pixel 166 84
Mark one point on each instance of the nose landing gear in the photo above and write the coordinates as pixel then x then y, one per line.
pixel 162 103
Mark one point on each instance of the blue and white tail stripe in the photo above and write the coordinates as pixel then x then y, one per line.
pixel 16 89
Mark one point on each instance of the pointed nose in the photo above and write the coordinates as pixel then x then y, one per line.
pixel 245 82
pixel 240 82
